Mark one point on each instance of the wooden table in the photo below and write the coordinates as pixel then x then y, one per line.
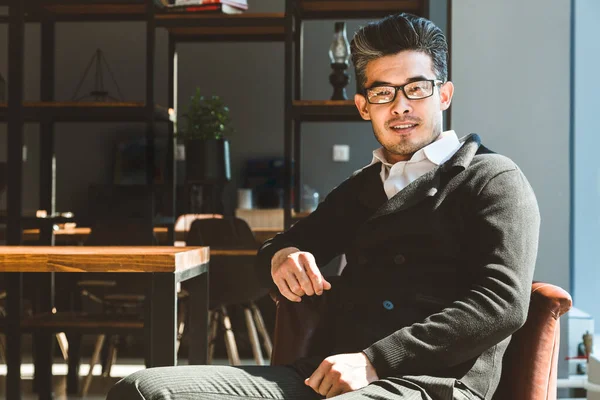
pixel 164 268
pixel 78 234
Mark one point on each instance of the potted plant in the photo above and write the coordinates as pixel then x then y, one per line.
pixel 204 127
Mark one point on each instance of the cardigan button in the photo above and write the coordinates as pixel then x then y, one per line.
pixel 388 305
pixel 399 259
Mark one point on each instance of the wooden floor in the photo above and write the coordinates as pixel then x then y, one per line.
pixel 99 386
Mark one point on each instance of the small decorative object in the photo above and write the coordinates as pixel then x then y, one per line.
pixel 99 93
pixel 205 125
pixel 2 89
pixel 588 344
pixel 244 198
pixel 339 53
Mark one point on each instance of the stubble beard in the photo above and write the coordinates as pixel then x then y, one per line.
pixel 405 147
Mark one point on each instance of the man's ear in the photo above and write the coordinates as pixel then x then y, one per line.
pixel 446 93
pixel 361 104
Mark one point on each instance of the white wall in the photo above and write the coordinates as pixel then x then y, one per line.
pixel 511 68
pixel 586 170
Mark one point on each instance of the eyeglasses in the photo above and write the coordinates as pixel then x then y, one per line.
pixel 413 91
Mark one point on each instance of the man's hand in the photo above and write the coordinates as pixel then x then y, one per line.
pixel 296 274
pixel 342 373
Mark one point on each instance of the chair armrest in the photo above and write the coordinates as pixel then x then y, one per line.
pixel 297 332
pixel 530 362
pixel 555 299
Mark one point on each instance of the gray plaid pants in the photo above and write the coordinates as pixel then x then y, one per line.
pixel 277 383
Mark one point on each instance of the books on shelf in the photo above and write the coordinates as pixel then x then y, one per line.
pixel 203 6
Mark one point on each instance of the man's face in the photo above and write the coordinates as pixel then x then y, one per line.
pixel 404 126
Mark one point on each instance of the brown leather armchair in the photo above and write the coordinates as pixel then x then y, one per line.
pixel 529 365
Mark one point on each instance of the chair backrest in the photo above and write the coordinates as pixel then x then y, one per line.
pixel 121 216
pixel 184 221
pixel 229 233
pixel 115 232
pixel 120 202
pixel 529 365
pixel 232 278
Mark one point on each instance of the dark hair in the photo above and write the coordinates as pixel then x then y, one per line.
pixel 396 33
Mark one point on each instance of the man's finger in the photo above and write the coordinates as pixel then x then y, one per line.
pixel 304 281
pixel 327 384
pixel 318 282
pixel 300 271
pixel 334 391
pixel 314 381
pixel 313 274
pixel 293 284
pixel 286 292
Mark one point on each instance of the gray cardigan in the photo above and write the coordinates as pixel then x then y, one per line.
pixel 438 277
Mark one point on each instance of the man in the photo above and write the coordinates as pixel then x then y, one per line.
pixel 440 236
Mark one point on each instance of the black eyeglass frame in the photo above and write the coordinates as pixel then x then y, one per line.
pixel 434 82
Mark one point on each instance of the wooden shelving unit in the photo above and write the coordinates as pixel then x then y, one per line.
pixel 86 112
pixel 325 111
pixel 181 27
pixel 77 10
pixel 327 9
pixel 250 27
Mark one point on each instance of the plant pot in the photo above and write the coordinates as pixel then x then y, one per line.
pixel 207 161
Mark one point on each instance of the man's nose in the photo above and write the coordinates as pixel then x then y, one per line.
pixel 401 105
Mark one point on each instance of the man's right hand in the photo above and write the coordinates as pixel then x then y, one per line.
pixel 296 274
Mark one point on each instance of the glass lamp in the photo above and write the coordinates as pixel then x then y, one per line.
pixel 339 54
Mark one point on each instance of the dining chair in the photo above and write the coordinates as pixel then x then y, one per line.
pixel 183 224
pixel 232 284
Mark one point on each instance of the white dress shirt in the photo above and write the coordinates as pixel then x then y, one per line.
pixel 399 175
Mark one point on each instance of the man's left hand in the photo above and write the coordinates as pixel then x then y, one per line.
pixel 342 373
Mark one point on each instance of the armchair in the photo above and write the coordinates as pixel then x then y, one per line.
pixel 529 365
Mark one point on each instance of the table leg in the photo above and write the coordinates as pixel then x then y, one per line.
pixel 198 319
pixel 43 342
pixel 43 365
pixel 73 363
pixel 160 327
pixel 14 297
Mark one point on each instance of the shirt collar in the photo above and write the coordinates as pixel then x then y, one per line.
pixel 437 152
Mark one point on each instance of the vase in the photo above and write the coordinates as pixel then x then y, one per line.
pixel 207 161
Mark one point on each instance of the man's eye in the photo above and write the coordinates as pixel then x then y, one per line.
pixel 381 92
pixel 416 89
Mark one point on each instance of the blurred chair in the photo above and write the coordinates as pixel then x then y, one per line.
pixel 529 367
pixel 121 216
pixel 183 224
pixel 232 283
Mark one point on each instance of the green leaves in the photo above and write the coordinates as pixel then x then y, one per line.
pixel 205 118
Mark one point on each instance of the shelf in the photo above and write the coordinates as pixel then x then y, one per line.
pixel 86 112
pixel 325 111
pixel 220 27
pixel 88 10
pixel 339 9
